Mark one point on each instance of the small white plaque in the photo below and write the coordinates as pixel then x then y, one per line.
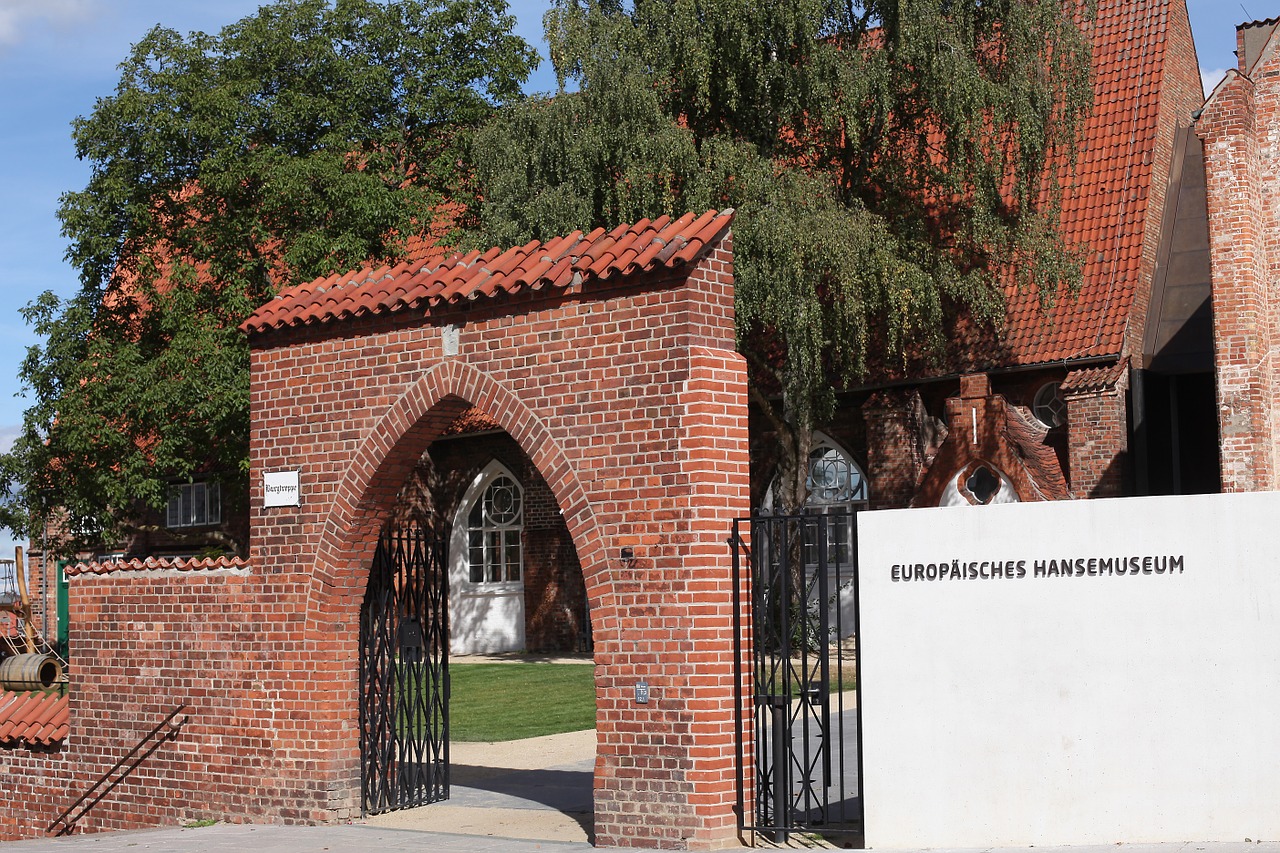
pixel 281 488
pixel 449 339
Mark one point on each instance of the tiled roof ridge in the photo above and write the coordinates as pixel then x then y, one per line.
pixel 1264 22
pixel 560 263
pixel 180 564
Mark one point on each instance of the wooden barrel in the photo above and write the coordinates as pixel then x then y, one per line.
pixel 29 672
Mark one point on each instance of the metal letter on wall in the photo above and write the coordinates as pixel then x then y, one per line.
pixel 404 673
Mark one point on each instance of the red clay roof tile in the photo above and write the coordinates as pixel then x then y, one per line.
pixel 470 421
pixel 1104 206
pixel 33 719
pixel 1100 378
pixel 203 564
pixel 575 260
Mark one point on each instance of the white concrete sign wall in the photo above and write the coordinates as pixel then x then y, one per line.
pixel 1072 673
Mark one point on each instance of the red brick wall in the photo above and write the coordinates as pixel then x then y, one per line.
pixel 1099 446
pixel 630 402
pixel 1238 127
pixel 36 789
pixel 143 642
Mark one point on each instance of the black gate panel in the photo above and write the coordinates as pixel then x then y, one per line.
pixel 404 673
pixel 795 584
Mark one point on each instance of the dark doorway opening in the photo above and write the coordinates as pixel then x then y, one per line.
pixel 1176 437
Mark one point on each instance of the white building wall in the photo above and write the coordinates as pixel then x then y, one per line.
pixel 1086 708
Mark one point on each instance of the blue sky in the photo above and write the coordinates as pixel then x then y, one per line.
pixel 58 56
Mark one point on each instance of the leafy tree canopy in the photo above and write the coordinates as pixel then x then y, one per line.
pixel 887 160
pixel 308 138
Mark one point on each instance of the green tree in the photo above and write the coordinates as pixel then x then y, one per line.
pixel 308 138
pixel 890 164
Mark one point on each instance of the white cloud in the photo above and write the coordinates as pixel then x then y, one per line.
pixel 1208 79
pixel 18 16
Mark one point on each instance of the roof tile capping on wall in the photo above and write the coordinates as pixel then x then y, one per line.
pixel 157 564
pixel 33 719
pixel 574 261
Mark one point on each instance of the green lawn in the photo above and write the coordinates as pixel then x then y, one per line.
pixel 509 701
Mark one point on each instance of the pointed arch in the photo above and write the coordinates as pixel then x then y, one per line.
pixel 388 450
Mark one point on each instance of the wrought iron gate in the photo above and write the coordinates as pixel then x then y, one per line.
pixel 404 673
pixel 796 605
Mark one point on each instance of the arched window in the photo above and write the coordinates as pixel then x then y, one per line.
pixel 834 478
pixel 835 482
pixel 494 523
pixel 837 486
pixel 486 565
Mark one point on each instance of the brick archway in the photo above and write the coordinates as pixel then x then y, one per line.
pixel 609 358
pixel 391 447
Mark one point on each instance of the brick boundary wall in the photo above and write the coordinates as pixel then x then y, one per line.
pixel 631 403
pixel 147 636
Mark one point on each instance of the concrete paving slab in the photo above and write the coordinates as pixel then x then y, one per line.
pixel 239 838
pixel 527 824
pixel 359 838
pixel 536 788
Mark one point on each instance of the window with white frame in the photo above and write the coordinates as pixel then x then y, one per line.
pixel 494 524
pixel 194 504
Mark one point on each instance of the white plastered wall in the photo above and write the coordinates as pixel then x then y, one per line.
pixel 1072 709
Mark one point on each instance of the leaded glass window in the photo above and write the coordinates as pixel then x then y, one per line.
pixel 836 487
pixel 493 533
pixel 1049 407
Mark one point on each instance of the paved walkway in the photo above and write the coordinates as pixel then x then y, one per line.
pixel 352 838
pixel 357 838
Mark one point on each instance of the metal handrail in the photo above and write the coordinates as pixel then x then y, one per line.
pixel 167 729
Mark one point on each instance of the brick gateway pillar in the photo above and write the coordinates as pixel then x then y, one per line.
pixel 610 358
